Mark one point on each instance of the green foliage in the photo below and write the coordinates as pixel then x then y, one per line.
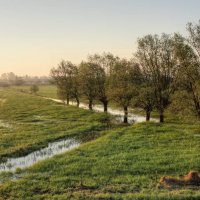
pixel 34 89
pixel 122 82
pixel 106 62
pixel 182 104
pixel 159 65
pixel 145 100
pixel 187 52
pixel 65 77
pixel 91 79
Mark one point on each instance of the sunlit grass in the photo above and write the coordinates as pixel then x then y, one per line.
pixel 34 121
pixel 122 163
pixel 125 162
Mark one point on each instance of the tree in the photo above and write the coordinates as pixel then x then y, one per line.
pixel 123 84
pixel 182 104
pixel 9 78
pixel 101 85
pixel 62 94
pixel 146 100
pixel 156 56
pixel 187 53
pixel 88 77
pixel 19 81
pixel 105 62
pixel 34 89
pixel 75 86
pixel 65 77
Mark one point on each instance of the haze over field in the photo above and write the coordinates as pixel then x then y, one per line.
pixel 36 35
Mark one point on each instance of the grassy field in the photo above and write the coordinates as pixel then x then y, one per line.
pixel 28 122
pixel 121 163
pixel 50 91
pixel 44 90
pixel 124 163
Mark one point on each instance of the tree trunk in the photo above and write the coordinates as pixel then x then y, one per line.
pixel 148 115
pixel 197 106
pixel 90 104
pixel 105 105
pixel 196 103
pixel 77 102
pixel 67 101
pixel 125 114
pixel 161 117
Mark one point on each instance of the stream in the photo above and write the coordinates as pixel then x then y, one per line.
pixel 52 149
pixel 132 118
pixel 64 145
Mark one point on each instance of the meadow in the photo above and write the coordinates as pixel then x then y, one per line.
pixel 29 122
pixel 123 162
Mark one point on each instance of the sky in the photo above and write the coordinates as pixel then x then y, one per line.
pixel 35 35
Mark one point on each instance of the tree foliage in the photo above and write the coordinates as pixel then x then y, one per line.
pixel 123 84
pixel 164 69
pixel 65 77
pixel 34 89
pixel 155 55
pixel 187 54
pixel 91 79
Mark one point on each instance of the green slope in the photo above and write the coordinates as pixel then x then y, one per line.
pixel 125 163
pixel 28 122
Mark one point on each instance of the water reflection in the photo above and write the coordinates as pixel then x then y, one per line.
pixel 132 118
pixel 53 149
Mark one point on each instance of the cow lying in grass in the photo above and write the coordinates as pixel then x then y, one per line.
pixel 192 178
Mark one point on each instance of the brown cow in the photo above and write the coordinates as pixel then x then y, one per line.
pixel 192 178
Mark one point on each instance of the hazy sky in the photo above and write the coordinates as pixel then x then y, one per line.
pixel 36 34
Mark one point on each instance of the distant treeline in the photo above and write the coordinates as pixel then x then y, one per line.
pixel 163 73
pixel 10 79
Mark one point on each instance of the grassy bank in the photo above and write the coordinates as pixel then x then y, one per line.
pixel 125 163
pixel 28 122
pixel 121 163
pixel 50 91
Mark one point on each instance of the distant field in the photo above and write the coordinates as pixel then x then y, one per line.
pixel 50 91
pixel 44 90
pixel 121 163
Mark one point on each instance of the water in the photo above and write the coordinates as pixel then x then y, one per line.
pixel 4 124
pixel 132 118
pixel 53 148
pixel 63 145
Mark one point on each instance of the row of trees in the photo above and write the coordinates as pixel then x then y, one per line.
pixel 161 67
pixel 10 79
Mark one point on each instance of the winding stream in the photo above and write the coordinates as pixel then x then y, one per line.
pixel 53 148
pixel 61 146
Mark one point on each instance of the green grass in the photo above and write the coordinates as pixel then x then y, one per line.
pixel 31 122
pixel 48 91
pixel 44 90
pixel 121 163
pixel 125 163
